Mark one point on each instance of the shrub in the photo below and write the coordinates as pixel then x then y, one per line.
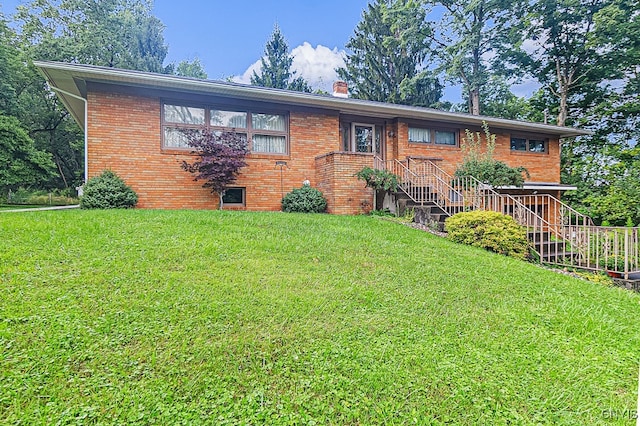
pixel 107 191
pixel 479 163
pixel 489 230
pixel 492 172
pixel 379 179
pixel 304 200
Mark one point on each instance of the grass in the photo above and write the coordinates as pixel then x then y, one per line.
pixel 194 317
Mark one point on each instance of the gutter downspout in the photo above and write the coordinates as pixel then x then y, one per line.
pixel 86 137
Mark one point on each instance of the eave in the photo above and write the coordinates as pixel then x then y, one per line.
pixel 72 78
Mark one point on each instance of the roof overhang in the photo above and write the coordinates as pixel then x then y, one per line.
pixel 539 186
pixel 72 79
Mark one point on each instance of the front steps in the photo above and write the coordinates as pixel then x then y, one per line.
pixel 427 213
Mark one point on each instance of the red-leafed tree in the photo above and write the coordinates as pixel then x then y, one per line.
pixel 220 158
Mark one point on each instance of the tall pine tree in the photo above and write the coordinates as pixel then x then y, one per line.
pixel 388 49
pixel 276 66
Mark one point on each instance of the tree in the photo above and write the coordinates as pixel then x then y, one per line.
pixel 561 54
pixel 11 70
pixel 221 156
pixel 604 165
pixel 276 66
pixel 465 41
pixel 191 69
pixel 21 164
pixel 111 33
pixel 114 33
pixel 388 49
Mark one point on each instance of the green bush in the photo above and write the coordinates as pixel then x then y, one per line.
pixel 492 172
pixel 489 230
pixel 107 191
pixel 379 179
pixel 479 163
pixel 304 200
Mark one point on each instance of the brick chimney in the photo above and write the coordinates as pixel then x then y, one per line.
pixel 340 89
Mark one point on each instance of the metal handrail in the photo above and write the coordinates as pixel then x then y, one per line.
pixel 560 234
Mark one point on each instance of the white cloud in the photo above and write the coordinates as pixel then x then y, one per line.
pixel 245 78
pixel 317 65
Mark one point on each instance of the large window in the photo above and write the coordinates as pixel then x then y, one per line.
pixel 525 144
pixel 433 136
pixel 265 133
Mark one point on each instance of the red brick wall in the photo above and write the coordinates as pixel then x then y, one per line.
pixel 345 194
pixel 124 135
pixel 543 167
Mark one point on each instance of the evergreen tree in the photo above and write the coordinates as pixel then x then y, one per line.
pixel 388 49
pixel 276 66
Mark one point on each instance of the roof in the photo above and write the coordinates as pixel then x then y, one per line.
pixel 69 82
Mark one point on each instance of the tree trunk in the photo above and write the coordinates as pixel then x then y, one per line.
pixel 562 112
pixel 474 99
pixel 221 203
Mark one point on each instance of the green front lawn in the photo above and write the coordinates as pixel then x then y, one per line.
pixel 200 317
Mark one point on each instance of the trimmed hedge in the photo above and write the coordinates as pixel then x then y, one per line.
pixel 491 231
pixel 107 191
pixel 304 200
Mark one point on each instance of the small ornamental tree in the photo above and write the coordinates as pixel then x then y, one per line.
pixel 378 179
pixel 480 164
pixel 221 156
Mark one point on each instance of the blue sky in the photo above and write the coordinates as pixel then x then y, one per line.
pixel 229 36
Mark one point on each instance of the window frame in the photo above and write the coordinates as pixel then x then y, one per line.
pixel 249 131
pixel 243 203
pixel 348 142
pixel 528 139
pixel 432 135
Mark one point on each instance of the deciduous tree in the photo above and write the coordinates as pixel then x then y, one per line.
pixel 114 33
pixel 21 164
pixel 191 69
pixel 221 156
pixel 465 42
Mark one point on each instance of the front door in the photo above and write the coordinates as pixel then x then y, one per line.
pixel 366 138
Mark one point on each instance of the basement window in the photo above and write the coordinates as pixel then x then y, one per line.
pixel 234 196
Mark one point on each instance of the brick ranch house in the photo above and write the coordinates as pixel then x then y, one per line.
pixel 132 123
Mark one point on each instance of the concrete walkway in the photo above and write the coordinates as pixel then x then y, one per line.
pixel 74 206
